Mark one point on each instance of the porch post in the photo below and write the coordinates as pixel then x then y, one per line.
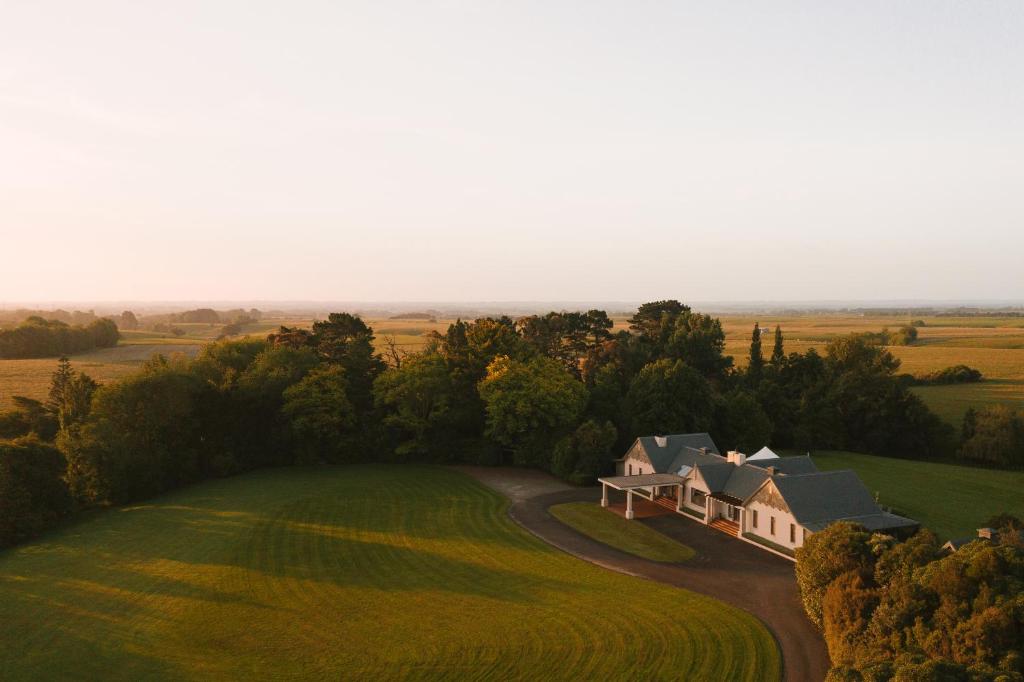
pixel 707 510
pixel 629 503
pixel 604 494
pixel 680 491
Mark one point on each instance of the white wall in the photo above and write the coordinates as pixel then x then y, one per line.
pixel 782 521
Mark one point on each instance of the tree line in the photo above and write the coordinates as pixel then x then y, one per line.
pixel 563 392
pixel 40 338
pixel 910 611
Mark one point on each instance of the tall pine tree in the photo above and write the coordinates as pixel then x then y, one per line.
pixel 756 359
pixel 778 354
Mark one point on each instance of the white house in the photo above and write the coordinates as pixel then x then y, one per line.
pixel 774 502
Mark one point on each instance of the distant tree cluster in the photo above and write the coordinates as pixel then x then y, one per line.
pixel 906 611
pixel 40 338
pixel 958 374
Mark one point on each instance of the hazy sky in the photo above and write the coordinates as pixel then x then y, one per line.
pixel 484 150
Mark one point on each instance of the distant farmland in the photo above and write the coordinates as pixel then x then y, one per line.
pixel 994 345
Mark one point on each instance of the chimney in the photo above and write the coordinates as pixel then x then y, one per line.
pixel 736 457
pixel 662 441
pixel 987 533
pixel 771 470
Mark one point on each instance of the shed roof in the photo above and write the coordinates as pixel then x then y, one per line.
pixel 641 481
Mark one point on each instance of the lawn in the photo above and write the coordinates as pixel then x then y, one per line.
pixel 627 536
pixel 951 500
pixel 367 572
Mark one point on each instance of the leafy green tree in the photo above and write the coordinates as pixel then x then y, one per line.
pixel 141 437
pixel 417 400
pixel 669 397
pixel 847 606
pixel 841 548
pixel 346 340
pixel 699 341
pixel 584 454
pixel 321 416
pixel 653 321
pixel 996 436
pixel 33 495
pixel 529 405
pixel 741 423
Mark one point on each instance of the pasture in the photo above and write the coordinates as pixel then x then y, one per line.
pixel 951 500
pixel 363 572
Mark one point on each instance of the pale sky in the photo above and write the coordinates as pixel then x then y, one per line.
pixel 460 150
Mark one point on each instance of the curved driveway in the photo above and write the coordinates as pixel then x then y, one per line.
pixel 725 568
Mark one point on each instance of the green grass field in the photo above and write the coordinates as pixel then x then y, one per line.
pixel 367 572
pixel 951 500
pixel 615 531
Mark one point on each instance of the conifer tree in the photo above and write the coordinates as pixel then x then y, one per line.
pixel 778 354
pixel 756 359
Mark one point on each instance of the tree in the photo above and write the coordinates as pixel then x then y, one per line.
pixel 70 395
pixel 847 607
pixel 29 417
pixel 584 454
pixel 653 320
pixel 346 340
pixel 417 399
pixel 996 436
pixel 141 437
pixel 669 397
pixel 127 320
pixel 529 405
pixel 756 365
pixel 841 548
pixel 321 416
pixel 33 495
pixel 699 341
pixel 741 423
pixel 778 353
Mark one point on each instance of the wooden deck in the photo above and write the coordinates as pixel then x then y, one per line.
pixel 726 526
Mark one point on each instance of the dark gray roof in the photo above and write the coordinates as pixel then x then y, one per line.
pixel 679 449
pixel 788 465
pixel 744 481
pixel 716 475
pixel 824 497
pixel 880 521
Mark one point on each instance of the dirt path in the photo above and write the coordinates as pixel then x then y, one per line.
pixel 725 568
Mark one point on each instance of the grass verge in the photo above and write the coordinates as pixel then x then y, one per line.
pixel 615 531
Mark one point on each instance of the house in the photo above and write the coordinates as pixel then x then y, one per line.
pixel 988 535
pixel 774 502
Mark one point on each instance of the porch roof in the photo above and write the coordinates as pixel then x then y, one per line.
pixel 641 481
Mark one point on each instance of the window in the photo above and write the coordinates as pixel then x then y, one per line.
pixel 792 533
pixel 773 526
pixel 698 497
pixel 754 518
pixel 630 469
pixel 804 540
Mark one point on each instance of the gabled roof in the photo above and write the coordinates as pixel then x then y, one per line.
pixel 716 475
pixel 792 466
pixel 818 499
pixel 744 481
pixel 679 449
pixel 763 453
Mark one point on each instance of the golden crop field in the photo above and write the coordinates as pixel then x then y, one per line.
pixel 993 345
